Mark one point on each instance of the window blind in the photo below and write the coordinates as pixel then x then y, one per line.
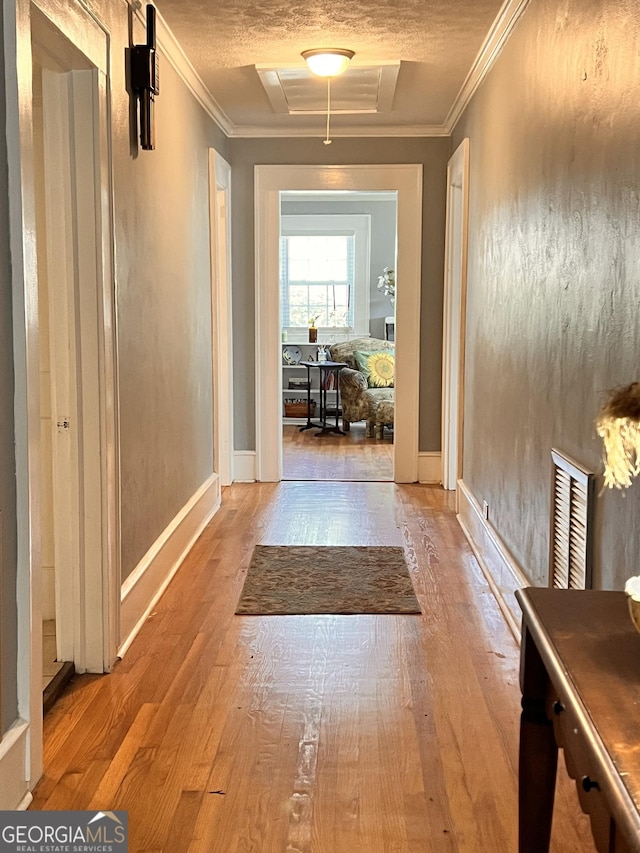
pixel 330 299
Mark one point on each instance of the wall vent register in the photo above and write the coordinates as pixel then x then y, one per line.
pixel 570 557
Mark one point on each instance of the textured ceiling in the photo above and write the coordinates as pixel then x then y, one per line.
pixel 436 42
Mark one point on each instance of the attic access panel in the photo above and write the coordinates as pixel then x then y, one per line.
pixel 361 89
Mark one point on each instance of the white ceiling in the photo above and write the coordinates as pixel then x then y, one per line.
pixel 414 60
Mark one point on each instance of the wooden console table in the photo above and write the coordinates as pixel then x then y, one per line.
pixel 580 680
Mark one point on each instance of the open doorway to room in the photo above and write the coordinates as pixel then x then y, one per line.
pixel 270 182
pixel 337 304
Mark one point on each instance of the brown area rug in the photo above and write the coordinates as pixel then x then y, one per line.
pixel 304 579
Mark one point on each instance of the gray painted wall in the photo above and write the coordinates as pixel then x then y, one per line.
pixel 164 320
pixel 554 264
pixel 8 541
pixel 164 301
pixel 383 215
pixel 244 155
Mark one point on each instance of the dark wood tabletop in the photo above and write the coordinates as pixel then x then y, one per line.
pixel 590 652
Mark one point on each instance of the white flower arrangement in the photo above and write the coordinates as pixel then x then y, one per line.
pixel 387 283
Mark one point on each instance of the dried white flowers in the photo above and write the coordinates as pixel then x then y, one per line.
pixel 619 427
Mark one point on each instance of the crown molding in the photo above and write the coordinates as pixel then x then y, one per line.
pixel 501 29
pixel 394 131
pixel 172 51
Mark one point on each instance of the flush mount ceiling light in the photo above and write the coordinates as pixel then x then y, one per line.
pixel 328 62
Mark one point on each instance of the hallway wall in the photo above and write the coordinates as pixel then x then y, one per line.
pixel 554 262
pixel 8 545
pixel 164 302
pixel 433 154
pixel 164 312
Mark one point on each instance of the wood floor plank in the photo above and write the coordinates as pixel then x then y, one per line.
pixel 183 821
pixel 107 789
pixel 309 734
pixel 352 456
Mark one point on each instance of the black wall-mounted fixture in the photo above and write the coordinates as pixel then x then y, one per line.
pixel 145 80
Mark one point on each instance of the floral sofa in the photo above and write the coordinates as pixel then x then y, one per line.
pixel 361 389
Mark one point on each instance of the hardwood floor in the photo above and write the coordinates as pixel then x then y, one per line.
pixel 353 456
pixel 292 734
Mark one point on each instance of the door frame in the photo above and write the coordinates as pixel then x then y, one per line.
pixel 96 592
pixel 74 247
pixel 270 181
pixel 221 316
pixel 454 321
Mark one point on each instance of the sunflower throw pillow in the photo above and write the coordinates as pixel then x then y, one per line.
pixel 378 367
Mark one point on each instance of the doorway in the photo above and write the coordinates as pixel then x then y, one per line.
pixel 335 247
pixel 74 36
pixel 271 181
pixel 78 518
pixel 221 319
pixel 455 299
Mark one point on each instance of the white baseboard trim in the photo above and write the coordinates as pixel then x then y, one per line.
pixel 26 801
pixel 14 788
pixel 244 466
pixel 430 467
pixel 502 572
pixel 144 586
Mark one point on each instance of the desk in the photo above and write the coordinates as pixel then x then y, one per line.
pixel 326 368
pixel 580 680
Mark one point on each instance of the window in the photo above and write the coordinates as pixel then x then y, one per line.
pixel 324 273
